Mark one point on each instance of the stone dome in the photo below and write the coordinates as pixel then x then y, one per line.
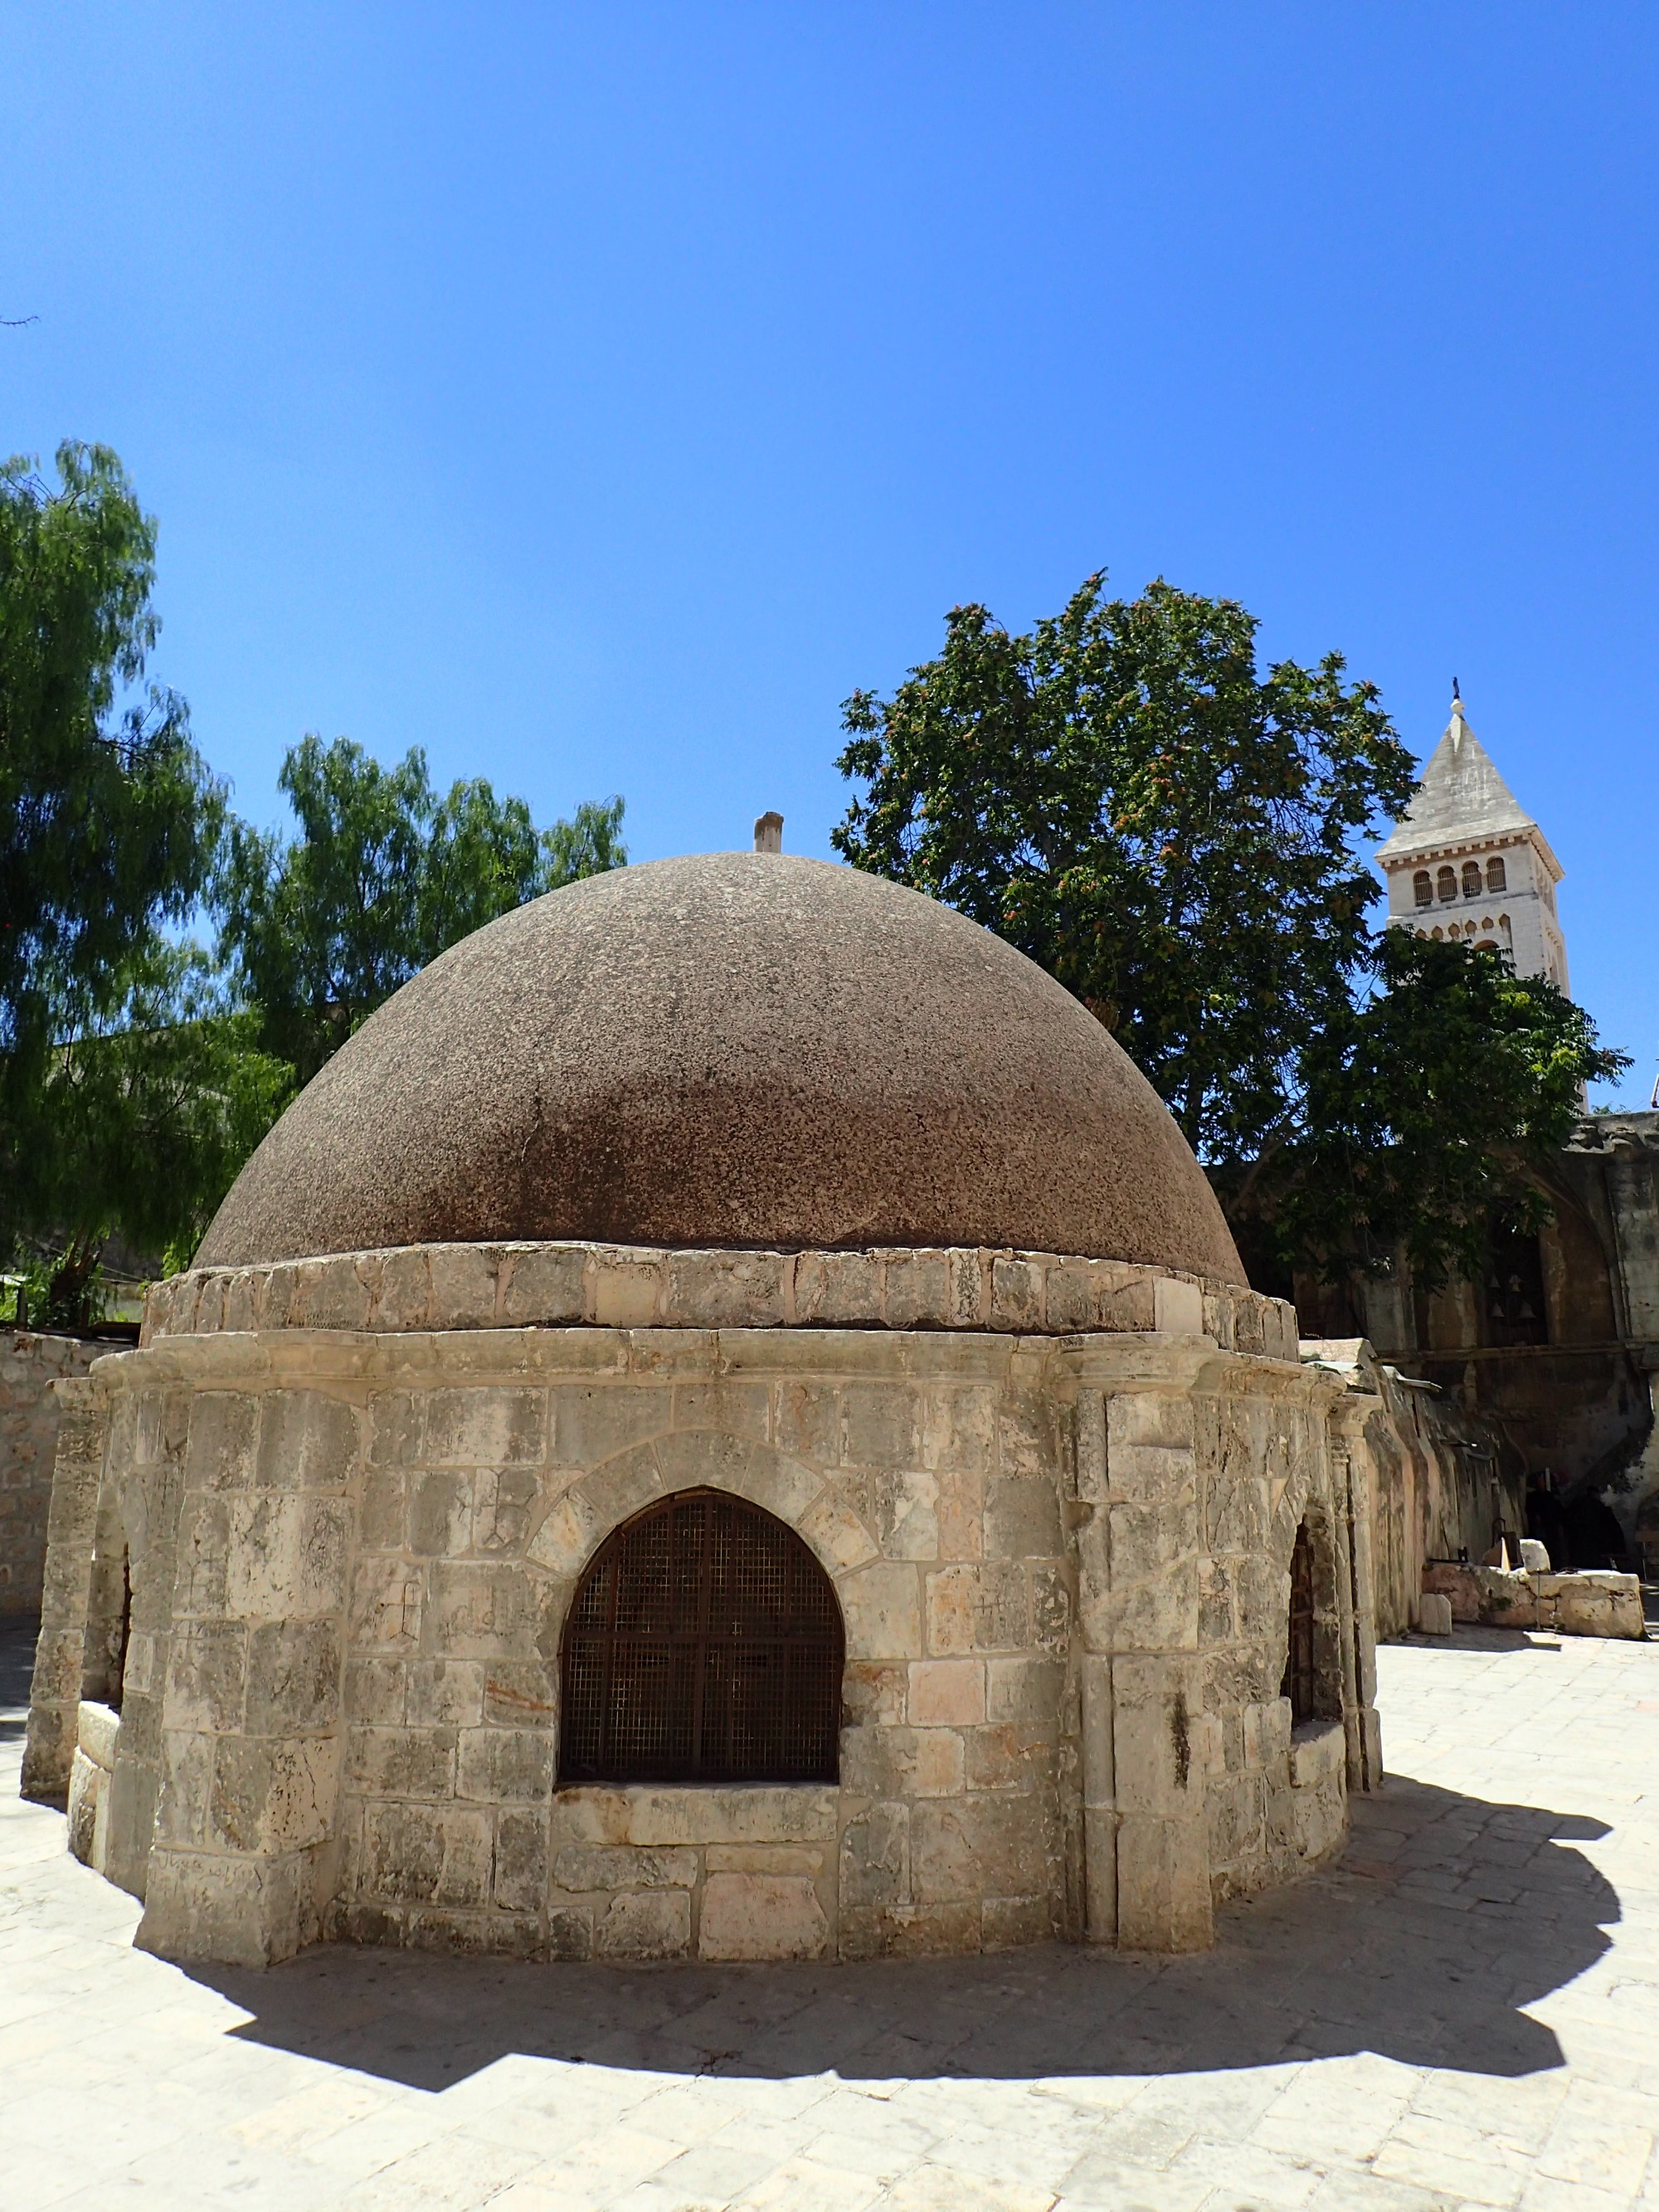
pixel 739 1049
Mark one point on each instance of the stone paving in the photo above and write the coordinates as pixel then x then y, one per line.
pixel 1463 2014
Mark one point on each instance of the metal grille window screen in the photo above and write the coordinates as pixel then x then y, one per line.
pixel 704 1645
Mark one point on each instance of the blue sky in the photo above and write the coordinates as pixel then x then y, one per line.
pixel 596 395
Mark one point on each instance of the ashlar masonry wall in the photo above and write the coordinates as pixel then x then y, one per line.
pixel 30 1363
pixel 1061 1563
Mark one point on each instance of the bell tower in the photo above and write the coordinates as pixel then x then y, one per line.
pixel 1466 863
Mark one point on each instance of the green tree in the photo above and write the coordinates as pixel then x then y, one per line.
pixel 1171 831
pixel 156 1102
pixel 383 875
pixel 108 818
pixel 1419 1117
pixel 1122 795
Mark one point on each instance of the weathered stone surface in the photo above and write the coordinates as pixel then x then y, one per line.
pixel 645 1924
pixel 760 1916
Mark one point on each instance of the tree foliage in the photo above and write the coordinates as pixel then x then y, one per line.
pixel 108 818
pixel 1171 832
pixel 1420 1116
pixel 384 874
pixel 155 1102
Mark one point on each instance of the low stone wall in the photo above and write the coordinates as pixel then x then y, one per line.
pixel 29 1365
pixel 448 1287
pixel 1587 1604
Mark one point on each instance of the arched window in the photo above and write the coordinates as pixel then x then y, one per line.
pixel 1446 883
pixel 1422 888
pixel 1301 1684
pixel 704 1644
pixel 1472 883
pixel 1495 876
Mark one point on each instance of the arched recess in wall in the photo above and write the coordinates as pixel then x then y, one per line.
pixel 1312 1680
pixel 109 1609
pixel 704 1644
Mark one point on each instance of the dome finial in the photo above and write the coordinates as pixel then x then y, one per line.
pixel 768 833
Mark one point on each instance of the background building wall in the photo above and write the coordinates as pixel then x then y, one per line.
pixel 29 1364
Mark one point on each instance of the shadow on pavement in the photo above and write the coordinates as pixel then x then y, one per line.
pixel 1448 1915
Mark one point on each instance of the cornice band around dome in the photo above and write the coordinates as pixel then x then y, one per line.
pixel 448 1287
pixel 740 1050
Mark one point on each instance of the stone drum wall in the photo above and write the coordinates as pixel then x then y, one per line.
pixel 1062 1562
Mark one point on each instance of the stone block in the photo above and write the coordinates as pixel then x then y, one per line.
pixel 386 1603
pixel 207 1676
pixel 1024 1689
pixel 836 1534
pixel 837 1290
pixel 963 1849
pixel 570 1933
pixel 978 1608
pixel 376 1692
pixel 403 1295
pixel 1318 1755
pixel 875 1857
pixel 246 1912
pixel 881 1610
pixel 520 1694
pixel 401 1762
pixel 761 1916
pixel 1163 1895
pixel 1434 1614
pixel 504 1501
pixel 271 1795
pixel 1006 1921
pixel 582 1868
pixel 765 1858
pixel 1148 1417
pixel 520 1870
pixel 223 1430
pixel 626 1293
pixel 88 1782
pixel 1011 1756
pixel 383 1511
pixel 645 1924
pixel 427 1854
pixel 493 1427
pixel 543 1286
pixel 201 1574
pixel 98 1729
pixel 445 1693
pixel 906 1513
pixel 946 1693
pixel 1178 1308
pixel 505 1765
pixel 1022 1518
pixel 1016 1295
pixel 288 1556
pixel 731 1813
pixel 481 1611
pixel 879 1424
pixel 726 1290
pixel 806 1421
pixel 441 1513
pixel 1071 1305
pixel 463 1285
pixel 1026 1435
pixel 306 1441
pixel 918 1292
pixel 570 1531
pixel 185 1787
pixel 397 1428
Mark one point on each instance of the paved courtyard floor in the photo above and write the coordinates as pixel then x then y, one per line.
pixel 1465 2012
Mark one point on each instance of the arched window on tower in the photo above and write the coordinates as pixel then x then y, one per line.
pixel 1473 885
pixel 1446 883
pixel 704 1644
pixel 1495 876
pixel 1422 888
